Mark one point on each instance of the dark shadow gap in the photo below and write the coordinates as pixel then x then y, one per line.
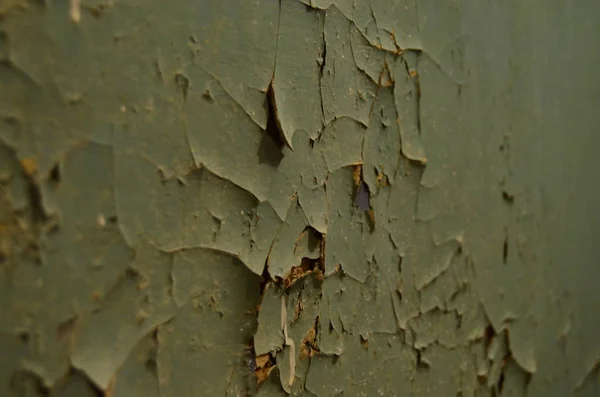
pixel 272 142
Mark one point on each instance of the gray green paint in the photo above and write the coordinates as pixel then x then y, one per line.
pixel 164 165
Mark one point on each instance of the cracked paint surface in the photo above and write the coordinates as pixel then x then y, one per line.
pixel 299 197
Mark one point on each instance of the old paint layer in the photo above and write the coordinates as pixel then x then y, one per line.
pixel 299 197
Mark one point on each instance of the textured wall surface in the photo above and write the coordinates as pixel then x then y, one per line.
pixel 316 198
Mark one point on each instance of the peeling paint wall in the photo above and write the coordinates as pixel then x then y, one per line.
pixel 314 198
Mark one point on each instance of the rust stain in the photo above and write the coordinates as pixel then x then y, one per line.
pixel 263 373
pixel 29 165
pixel 382 179
pixel 297 272
pixel 309 347
pixel 357 173
pixel 364 342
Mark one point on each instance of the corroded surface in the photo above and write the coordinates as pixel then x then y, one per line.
pixel 315 198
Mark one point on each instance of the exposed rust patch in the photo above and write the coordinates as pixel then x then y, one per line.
pixel 98 10
pixel 262 361
pixel 298 310
pixel 264 366
pixel 382 179
pixel 320 275
pixel 385 77
pixel 364 342
pixel 371 214
pixel 29 165
pixel 309 347
pixel 307 267
pixel 357 174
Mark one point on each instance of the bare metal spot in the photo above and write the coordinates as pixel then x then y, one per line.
pixel 361 200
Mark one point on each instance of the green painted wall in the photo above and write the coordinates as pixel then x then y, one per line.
pixel 317 198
